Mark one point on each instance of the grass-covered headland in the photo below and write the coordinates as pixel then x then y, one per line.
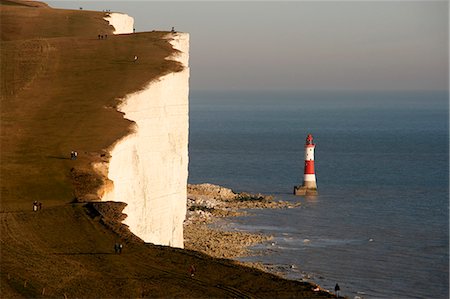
pixel 59 89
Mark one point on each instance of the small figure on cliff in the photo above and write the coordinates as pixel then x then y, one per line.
pixel 192 270
pixel 39 205
pixel 73 155
pixel 135 58
pixel 35 206
pixel 134 30
pixel 173 30
pixel 116 248
pixel 120 248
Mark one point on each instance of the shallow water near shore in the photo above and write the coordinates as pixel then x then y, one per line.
pixel 379 226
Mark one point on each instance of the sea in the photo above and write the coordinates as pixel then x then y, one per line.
pixel 379 226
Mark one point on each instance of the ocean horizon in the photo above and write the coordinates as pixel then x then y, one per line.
pixel 379 225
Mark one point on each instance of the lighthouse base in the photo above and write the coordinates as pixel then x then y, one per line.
pixel 304 190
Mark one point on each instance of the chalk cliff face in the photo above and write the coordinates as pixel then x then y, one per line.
pixel 122 23
pixel 149 167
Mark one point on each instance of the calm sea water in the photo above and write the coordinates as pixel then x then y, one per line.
pixel 379 226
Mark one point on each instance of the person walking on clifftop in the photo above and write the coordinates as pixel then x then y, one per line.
pixel 192 270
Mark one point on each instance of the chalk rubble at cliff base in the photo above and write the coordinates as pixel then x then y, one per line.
pixel 207 203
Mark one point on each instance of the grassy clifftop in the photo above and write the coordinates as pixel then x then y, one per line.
pixel 59 87
pixel 22 20
pixel 58 94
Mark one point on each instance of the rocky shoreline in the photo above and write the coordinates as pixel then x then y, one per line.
pixel 207 203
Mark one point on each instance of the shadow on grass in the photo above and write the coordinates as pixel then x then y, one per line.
pixel 84 253
pixel 124 61
pixel 58 157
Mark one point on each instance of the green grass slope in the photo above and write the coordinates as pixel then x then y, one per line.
pixel 59 88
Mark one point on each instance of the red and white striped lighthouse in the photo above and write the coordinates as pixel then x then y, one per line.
pixel 309 178
pixel 309 185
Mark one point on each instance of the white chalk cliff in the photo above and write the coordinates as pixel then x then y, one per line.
pixel 149 168
pixel 122 23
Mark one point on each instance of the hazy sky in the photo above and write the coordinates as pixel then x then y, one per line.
pixel 386 45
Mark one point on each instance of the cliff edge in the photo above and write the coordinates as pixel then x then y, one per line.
pixel 149 167
pixel 60 90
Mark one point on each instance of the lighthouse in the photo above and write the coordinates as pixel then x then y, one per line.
pixel 309 186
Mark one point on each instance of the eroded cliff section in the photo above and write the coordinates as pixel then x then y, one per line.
pixel 149 168
pixel 122 23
